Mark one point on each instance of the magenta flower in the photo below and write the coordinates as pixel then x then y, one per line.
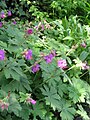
pixel 14 22
pixel 83 44
pixel 2 54
pixel 2 15
pixel 62 64
pixel 30 100
pixel 35 68
pixel 85 66
pixel 33 101
pixel 1 24
pixel 28 54
pixel 49 58
pixel 42 26
pixel 9 13
pixel 29 31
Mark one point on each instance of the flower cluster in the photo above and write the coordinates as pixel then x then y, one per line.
pixel 47 25
pixel 85 66
pixel 4 105
pixel 3 15
pixel 41 26
pixel 62 63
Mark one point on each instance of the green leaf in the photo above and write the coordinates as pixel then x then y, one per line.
pixel 22 96
pixel 51 96
pixel 24 113
pixel 48 73
pixel 2 94
pixel 3 4
pixel 69 60
pixel 74 94
pixel 9 117
pixel 62 88
pixel 65 23
pixel 14 105
pixel 38 110
pixel 3 45
pixel 68 38
pixel 12 86
pixel 19 71
pixel 83 113
pixel 26 85
pixel 7 73
pixel 1 118
pixel 3 37
pixel 79 85
pixel 67 112
pixel 15 85
pixel 15 75
pixel 83 55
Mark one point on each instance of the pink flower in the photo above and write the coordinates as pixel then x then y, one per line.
pixel 33 101
pixel 42 26
pixel 49 58
pixel 29 31
pixel 30 100
pixel 83 44
pixel 2 15
pixel 62 64
pixel 28 54
pixel 48 26
pixel 2 54
pixel 85 66
pixel 4 106
pixel 35 68
pixel 14 22
pixel 9 13
pixel 36 27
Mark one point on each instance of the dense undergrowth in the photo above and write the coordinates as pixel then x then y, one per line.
pixel 44 60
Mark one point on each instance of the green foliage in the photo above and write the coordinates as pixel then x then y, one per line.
pixel 82 112
pixel 59 93
pixel 14 105
pixel 67 112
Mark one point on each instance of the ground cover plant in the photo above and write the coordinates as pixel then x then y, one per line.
pixel 44 61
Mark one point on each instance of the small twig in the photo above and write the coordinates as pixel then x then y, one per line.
pixel 84 74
